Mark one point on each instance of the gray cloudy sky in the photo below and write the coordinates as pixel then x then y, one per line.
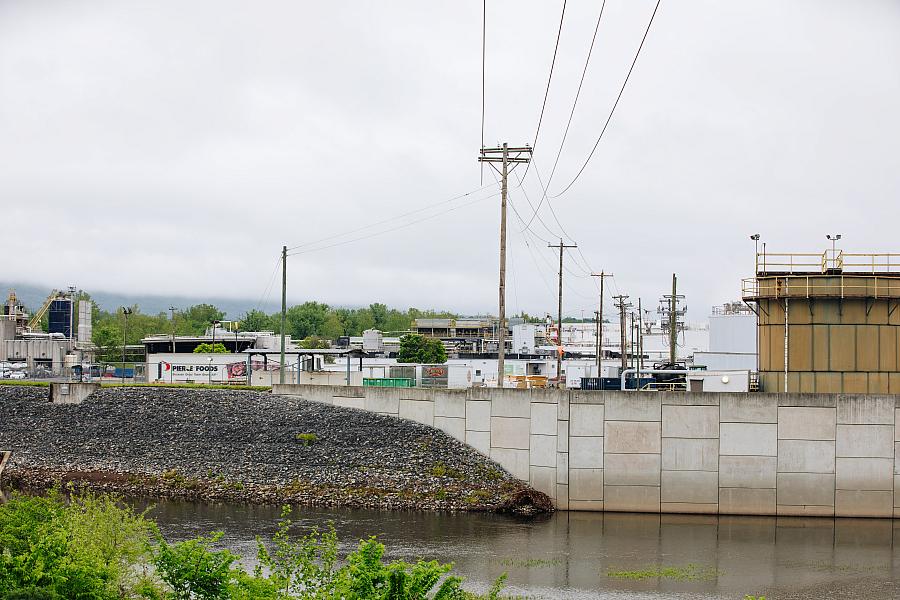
pixel 173 147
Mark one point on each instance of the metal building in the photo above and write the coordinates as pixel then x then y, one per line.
pixel 828 322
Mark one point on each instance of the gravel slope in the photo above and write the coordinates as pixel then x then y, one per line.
pixel 236 445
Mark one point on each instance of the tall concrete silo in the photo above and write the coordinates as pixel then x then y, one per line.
pixel 827 323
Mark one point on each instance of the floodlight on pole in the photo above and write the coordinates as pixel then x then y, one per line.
pixel 755 238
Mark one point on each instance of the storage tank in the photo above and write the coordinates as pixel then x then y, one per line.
pixel 60 317
pixel 828 323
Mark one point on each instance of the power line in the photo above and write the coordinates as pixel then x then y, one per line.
pixel 549 79
pixel 572 112
pixel 387 220
pixel 483 66
pixel 615 104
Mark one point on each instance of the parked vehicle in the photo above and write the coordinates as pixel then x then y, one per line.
pixel 18 375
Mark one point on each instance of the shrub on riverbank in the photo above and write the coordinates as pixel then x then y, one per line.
pixel 94 547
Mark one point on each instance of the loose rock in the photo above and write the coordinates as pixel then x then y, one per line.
pixel 248 447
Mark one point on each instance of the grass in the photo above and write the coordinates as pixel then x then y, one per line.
pixel 307 439
pixel 531 563
pixel 25 383
pixel 688 572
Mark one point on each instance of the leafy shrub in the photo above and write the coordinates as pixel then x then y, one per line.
pixel 93 547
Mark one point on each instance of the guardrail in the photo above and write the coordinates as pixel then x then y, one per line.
pixel 830 261
pixel 814 286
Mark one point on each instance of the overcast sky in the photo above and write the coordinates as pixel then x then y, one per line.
pixel 172 147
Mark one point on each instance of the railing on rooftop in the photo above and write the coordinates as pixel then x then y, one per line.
pixel 827 262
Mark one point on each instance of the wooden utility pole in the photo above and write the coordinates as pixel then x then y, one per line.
pixel 599 317
pixel 560 351
pixel 670 314
pixel 673 320
pixel 622 306
pixel 502 156
pixel 283 309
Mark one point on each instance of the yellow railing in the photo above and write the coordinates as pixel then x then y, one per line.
pixel 830 261
pixel 856 285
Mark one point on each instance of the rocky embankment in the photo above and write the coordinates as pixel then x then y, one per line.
pixel 246 447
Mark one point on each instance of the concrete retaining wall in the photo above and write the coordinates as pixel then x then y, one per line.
pixel 756 454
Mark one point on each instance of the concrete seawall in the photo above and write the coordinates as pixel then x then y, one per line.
pixel 753 454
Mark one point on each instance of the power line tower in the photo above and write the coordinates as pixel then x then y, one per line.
pixel 559 353
pixel 671 314
pixel 504 156
pixel 622 305
pixel 598 315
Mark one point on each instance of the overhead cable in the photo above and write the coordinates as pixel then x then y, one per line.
pixel 613 110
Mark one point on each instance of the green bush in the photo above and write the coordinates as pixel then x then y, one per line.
pixel 93 547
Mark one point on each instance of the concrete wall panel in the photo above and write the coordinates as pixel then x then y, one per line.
pixel 510 432
pixel 586 453
pixel 632 436
pixel 690 487
pixel 805 456
pixel 690 421
pixel 631 469
pixel 690 454
pixel 586 484
pixel 452 426
pixel 865 474
pixel 804 423
pixel 543 451
pixel 631 498
pixel 753 408
pixel 515 461
pixel 421 411
pixel 637 406
pixel 866 410
pixel 747 501
pixel 862 503
pixel 747 471
pixel 480 440
pixel 748 439
pixel 478 415
pixel 586 419
pixel 805 489
pixel 876 441
pixel 543 418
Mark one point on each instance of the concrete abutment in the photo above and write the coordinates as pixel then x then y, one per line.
pixel 707 453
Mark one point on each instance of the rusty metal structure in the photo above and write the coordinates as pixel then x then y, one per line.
pixel 827 323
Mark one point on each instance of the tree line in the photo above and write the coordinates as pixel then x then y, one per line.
pixel 312 322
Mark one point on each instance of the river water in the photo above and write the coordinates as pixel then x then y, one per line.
pixel 571 555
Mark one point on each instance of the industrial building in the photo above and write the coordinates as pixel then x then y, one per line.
pixel 828 322
pixel 29 352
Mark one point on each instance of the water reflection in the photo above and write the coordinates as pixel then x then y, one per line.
pixel 568 555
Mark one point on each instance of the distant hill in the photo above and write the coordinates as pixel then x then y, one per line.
pixel 32 296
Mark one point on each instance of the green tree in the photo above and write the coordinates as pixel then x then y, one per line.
pixel 256 320
pixel 306 319
pixel 416 348
pixel 201 316
pixel 210 349
pixel 314 342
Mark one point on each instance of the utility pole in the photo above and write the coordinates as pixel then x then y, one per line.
pixel 673 320
pixel 672 316
pixel 502 156
pixel 172 310
pixel 283 309
pixel 599 320
pixel 561 350
pixel 622 306
pixel 640 325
